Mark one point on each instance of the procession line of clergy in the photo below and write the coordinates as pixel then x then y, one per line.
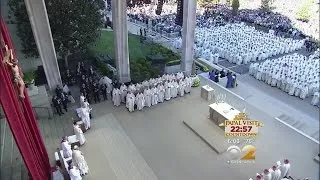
pixel 153 91
pixel 240 44
pixel 295 74
pixel 277 172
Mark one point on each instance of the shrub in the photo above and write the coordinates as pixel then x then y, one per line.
pixel 203 67
pixel 142 70
pixel 29 77
pixel 303 14
pixel 173 63
pixel 104 70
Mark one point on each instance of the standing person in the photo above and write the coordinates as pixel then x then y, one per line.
pixel 85 117
pixel 229 81
pixel 285 169
pixel 167 93
pixel 161 93
pixel 64 100
pixel 96 93
pixel 74 172
pixel 79 134
pixel 266 175
pixel 147 97
pixel 103 90
pixel 181 87
pixel 140 101
pixel 57 175
pixel 275 173
pixel 123 91
pixel 116 96
pixel 234 81
pixel 82 98
pixel 66 147
pixel 130 101
pixel 154 99
pixel 174 89
pixel 57 105
pixel 79 161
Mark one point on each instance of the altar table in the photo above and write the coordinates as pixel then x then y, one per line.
pixel 219 112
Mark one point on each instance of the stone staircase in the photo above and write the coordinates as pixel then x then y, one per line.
pixel 299 125
pixel 123 156
pixel 12 165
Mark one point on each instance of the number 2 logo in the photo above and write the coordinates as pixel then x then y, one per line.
pixel 248 152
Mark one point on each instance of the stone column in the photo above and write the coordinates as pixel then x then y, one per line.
pixel 42 34
pixel 119 22
pixel 188 28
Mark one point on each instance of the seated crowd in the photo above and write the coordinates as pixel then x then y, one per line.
pixel 151 92
pixel 295 74
pixel 241 44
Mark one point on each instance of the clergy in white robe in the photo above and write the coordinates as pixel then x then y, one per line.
pixel 66 147
pixel 188 81
pixel 147 97
pixel 161 91
pixel 116 97
pixel 82 98
pixel 123 91
pixel 266 175
pixel 154 96
pixel 315 99
pixel 167 93
pixel 79 134
pixel 85 117
pixel 182 86
pixel 285 169
pixel 130 101
pixel 275 173
pixel 79 161
pixel 132 88
pixel 174 89
pixel 74 173
pixel 140 101
pixel 304 92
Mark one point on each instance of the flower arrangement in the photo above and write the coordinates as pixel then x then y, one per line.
pixel 196 81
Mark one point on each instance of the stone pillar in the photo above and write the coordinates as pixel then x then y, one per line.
pixel 42 34
pixel 119 22
pixel 188 28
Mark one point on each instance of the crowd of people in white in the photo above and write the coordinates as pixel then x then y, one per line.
pixel 295 74
pixel 277 172
pixel 153 91
pixel 239 43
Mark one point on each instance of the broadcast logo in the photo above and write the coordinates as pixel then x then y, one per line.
pixel 248 152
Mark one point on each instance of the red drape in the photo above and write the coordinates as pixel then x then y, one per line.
pixel 21 119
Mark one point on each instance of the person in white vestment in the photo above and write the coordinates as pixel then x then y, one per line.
pixel 79 161
pixel 266 175
pixel 174 89
pixel 74 172
pixel 167 93
pixel 66 147
pixel 67 91
pixel 140 101
pixel 85 117
pixel 82 98
pixel 116 97
pixel 161 91
pixel 123 91
pixel 304 92
pixel 130 101
pixel 315 99
pixel 147 97
pixel 57 175
pixel 275 173
pixel 182 86
pixel 155 97
pixel 285 169
pixel 79 134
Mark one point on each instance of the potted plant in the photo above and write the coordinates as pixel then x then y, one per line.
pixel 28 78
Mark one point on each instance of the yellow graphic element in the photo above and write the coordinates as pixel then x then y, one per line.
pixel 248 152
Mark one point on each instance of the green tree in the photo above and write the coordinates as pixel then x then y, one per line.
pixel 304 12
pixel 266 4
pixel 235 7
pixel 74 25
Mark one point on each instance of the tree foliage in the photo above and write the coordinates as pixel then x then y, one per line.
pixel 235 7
pixel 204 3
pixel 304 12
pixel 266 4
pixel 74 24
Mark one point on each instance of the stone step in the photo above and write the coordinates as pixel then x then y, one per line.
pixel 124 157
